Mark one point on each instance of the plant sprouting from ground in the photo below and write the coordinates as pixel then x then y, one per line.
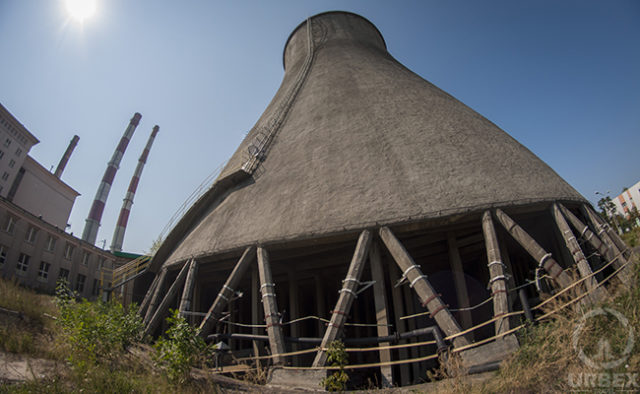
pixel 336 357
pixel 180 349
pixel 95 331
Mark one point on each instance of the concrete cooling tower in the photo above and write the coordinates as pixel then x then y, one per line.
pixel 370 206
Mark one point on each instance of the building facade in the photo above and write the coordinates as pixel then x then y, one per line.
pixel 38 253
pixel 15 143
pixel 628 200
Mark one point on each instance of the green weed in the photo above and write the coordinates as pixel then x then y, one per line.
pixel 180 349
pixel 336 357
pixel 96 332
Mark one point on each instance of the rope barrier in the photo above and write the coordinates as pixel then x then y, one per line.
pixel 450 337
pixel 290 354
pixel 348 350
pixel 535 307
pixel 585 293
pixel 388 347
pixel 576 283
pixel 529 283
pixel 371 365
pixel 290 322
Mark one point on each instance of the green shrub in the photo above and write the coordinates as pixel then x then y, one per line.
pixel 336 357
pixel 95 331
pixel 180 349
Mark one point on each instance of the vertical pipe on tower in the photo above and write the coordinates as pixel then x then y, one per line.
pixel 66 156
pixel 127 202
pixel 90 232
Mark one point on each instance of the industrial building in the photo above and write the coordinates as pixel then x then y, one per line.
pixel 38 253
pixel 35 205
pixel 368 205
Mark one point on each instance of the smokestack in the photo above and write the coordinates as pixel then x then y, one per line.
pixel 121 226
pixel 67 154
pixel 90 232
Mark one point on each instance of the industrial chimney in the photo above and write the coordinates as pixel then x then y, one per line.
pixel 90 232
pixel 121 226
pixel 65 157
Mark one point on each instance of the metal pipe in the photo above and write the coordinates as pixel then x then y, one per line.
pixel 66 156
pixel 525 305
pixel 90 232
pixel 394 338
pixel 492 366
pixel 127 202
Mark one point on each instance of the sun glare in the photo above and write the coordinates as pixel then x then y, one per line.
pixel 81 9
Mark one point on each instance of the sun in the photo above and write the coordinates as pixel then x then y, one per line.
pixel 81 9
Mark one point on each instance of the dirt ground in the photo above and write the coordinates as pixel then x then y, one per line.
pixel 19 368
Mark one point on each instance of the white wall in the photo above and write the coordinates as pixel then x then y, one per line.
pixel 630 197
pixel 42 194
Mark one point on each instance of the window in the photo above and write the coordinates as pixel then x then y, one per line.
pixel 80 283
pixel 1 154
pixel 23 263
pixel 85 258
pixel 5 176
pixel 10 224
pixel 51 243
pixel 64 274
pixel 7 142
pixel 12 163
pixel 32 232
pixel 3 255
pixel 96 287
pixel 68 251
pixel 43 272
pixel 100 263
pixel 18 152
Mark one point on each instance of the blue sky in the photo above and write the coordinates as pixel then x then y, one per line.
pixel 562 77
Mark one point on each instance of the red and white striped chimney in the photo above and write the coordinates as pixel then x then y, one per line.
pixel 66 156
pixel 92 225
pixel 127 202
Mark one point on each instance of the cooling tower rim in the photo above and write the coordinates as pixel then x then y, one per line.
pixel 431 220
pixel 284 51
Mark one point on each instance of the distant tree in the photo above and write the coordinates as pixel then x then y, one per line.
pixel 608 211
pixel 607 208
pixel 155 245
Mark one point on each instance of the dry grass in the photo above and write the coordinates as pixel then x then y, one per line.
pixel 546 357
pixel 30 330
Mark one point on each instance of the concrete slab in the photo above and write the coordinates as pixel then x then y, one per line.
pixel 497 350
pixel 290 379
